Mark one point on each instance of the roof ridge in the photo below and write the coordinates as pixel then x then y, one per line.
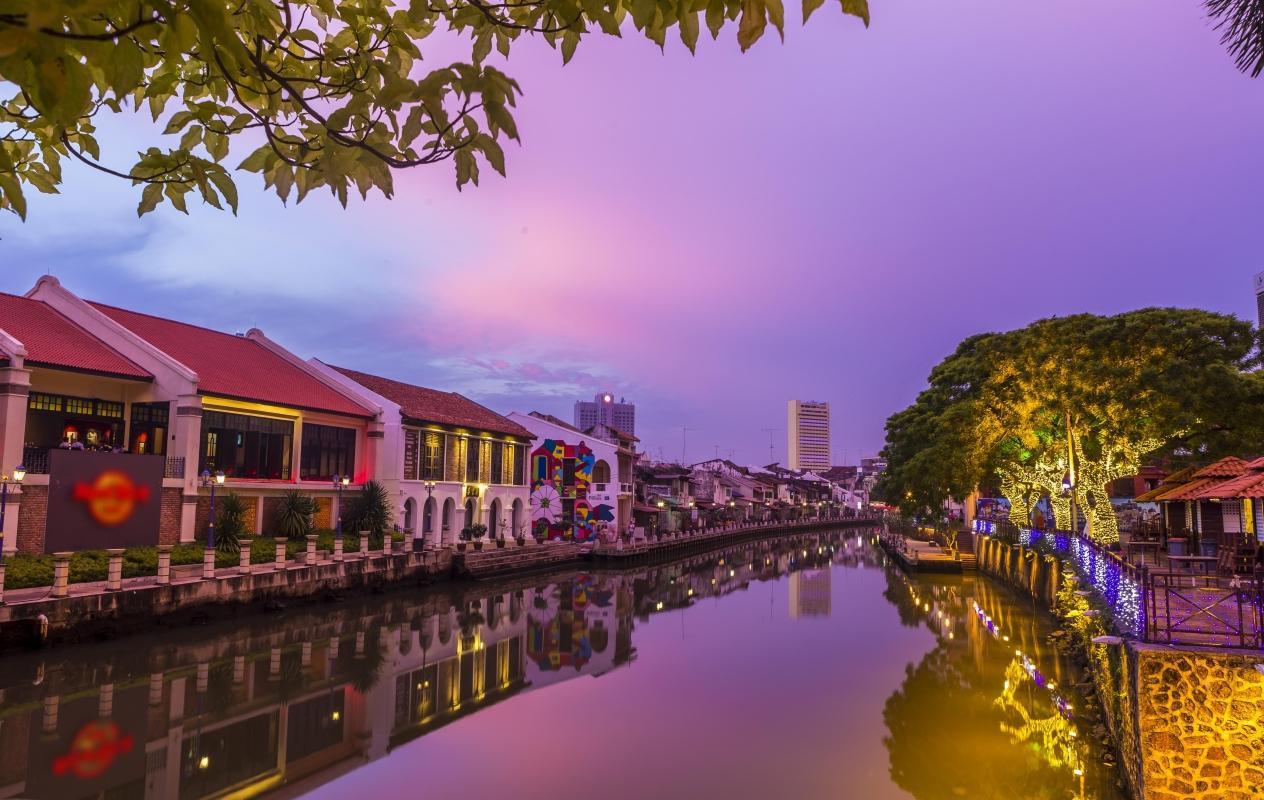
pixel 98 304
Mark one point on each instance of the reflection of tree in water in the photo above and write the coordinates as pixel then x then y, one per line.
pixel 1053 737
pixel 948 738
pixel 897 594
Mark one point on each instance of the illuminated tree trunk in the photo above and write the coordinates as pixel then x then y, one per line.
pixel 1095 474
pixel 1061 509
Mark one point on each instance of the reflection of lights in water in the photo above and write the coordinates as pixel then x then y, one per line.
pixel 1054 738
pixel 204 762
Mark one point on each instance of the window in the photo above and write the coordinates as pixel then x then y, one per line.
pixel 432 457
pixel 411 447
pixel 472 451
pixel 74 405
pixel 44 402
pixel 327 451
pixel 498 462
pixel 484 461
pixel 245 446
pixel 601 472
pixel 454 461
pixel 519 465
pixel 148 430
pixel 107 409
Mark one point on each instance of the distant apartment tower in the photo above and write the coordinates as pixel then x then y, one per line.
pixel 603 410
pixel 1259 299
pixel 808 431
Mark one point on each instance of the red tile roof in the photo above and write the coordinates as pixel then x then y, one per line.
pixel 432 405
pixel 52 340
pixel 236 366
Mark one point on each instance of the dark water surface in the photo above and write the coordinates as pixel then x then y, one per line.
pixel 800 667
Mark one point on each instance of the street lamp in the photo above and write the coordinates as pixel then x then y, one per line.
pixel 209 480
pixel 340 481
pixel 19 472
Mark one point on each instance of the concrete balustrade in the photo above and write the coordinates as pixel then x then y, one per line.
pixel 1 583
pixel 61 574
pixel 208 564
pixel 279 557
pixel 243 557
pixel 114 571
pixel 337 548
pixel 310 559
pixel 364 544
pixel 164 564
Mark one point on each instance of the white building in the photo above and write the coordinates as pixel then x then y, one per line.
pixel 603 410
pixel 808 434
pixel 448 462
pixel 581 486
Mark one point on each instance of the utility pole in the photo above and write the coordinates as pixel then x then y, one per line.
pixel 684 445
pixel 772 457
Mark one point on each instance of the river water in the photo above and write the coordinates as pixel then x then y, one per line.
pixel 799 667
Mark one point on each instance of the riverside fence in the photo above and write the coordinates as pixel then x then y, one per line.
pixel 1147 604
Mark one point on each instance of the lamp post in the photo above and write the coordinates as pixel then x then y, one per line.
pixel 208 557
pixel 19 473
pixel 339 482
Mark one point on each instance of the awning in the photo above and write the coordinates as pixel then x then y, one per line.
pixel 645 508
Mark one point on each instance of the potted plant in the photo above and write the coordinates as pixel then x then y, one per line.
pixel 520 540
pixel 541 530
pixel 462 538
pixel 477 532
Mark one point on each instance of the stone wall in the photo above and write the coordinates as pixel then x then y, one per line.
pixel 204 512
pixel 1200 716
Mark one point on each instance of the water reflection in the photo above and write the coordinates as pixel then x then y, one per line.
pixel 991 692
pixel 323 696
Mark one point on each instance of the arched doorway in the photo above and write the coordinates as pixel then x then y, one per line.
pixel 449 509
pixel 410 516
pixel 515 519
pixel 427 523
pixel 471 512
pixel 493 521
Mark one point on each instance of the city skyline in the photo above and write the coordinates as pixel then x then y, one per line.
pixel 1008 178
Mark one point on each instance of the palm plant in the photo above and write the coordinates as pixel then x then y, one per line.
pixel 370 511
pixel 230 523
pixel 294 515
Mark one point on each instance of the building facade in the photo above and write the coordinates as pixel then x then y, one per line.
pixel 603 410
pixel 82 376
pixel 579 489
pixel 448 462
pixel 808 434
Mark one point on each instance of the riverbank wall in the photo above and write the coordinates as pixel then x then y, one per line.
pixel 1188 722
pixel 138 604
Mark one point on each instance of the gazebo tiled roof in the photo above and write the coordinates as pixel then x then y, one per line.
pixel 1194 483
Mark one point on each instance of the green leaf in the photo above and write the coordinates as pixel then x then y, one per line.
pixel 715 17
pixel 809 6
pixel 689 30
pixel 224 182
pixel 175 195
pixel 149 199
pixel 11 193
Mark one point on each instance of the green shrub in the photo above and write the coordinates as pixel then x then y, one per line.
pixel 230 524
pixel 293 517
pixel 369 510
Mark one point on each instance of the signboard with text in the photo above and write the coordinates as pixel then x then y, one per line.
pixel 98 500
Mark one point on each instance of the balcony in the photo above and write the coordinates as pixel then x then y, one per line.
pixel 35 459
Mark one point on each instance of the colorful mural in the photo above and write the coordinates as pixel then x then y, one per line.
pixel 561 475
pixel 562 639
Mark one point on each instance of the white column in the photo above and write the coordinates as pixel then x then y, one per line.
pixel 15 386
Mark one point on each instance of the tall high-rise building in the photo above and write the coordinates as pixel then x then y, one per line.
pixel 603 410
pixel 810 593
pixel 1259 298
pixel 808 431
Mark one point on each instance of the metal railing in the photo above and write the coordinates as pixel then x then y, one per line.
pixel 35 459
pixel 1156 604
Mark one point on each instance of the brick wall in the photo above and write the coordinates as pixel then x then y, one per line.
pixel 32 519
pixel 204 509
pixel 172 504
pixel 324 517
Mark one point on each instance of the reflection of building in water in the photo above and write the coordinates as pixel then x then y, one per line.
pixel 810 593
pixel 283 707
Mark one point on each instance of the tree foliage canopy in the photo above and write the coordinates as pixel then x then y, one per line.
pixel 1083 396
pixel 326 94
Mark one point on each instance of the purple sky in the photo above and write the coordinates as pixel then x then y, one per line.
pixel 713 235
